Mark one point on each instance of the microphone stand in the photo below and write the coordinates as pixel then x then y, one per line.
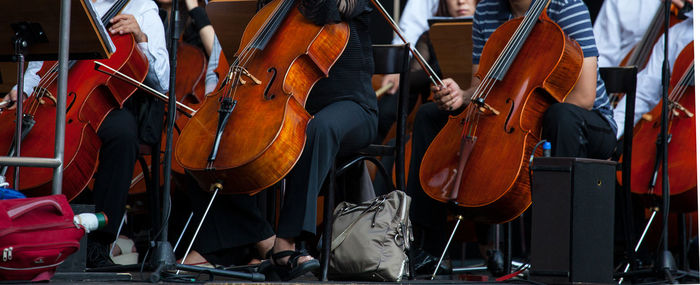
pixel 666 265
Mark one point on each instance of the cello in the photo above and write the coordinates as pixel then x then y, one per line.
pixel 189 89
pixel 91 96
pixel 250 133
pixel 479 159
pixel 682 166
pixel 640 53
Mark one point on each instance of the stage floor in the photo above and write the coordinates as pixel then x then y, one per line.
pixel 135 277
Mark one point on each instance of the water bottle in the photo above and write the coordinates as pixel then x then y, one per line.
pixel 90 221
pixel 546 149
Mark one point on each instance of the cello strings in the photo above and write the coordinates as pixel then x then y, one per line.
pixel 264 32
pixel 648 40
pixel 248 52
pixel 520 37
pixel 486 86
pixel 508 52
pixel 682 84
pixel 278 17
pixel 52 74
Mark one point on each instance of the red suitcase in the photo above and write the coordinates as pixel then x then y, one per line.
pixel 36 235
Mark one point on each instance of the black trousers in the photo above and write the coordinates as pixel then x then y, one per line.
pixel 573 131
pixel 336 130
pixel 118 154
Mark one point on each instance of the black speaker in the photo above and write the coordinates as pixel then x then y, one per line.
pixel 572 220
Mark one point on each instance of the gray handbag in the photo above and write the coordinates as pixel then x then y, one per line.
pixel 371 239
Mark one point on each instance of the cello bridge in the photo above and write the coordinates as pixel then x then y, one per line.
pixel 678 107
pixel 245 73
pixel 45 94
pixel 483 106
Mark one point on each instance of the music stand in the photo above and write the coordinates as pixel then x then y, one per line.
pixel 452 42
pixel 36 34
pixel 229 19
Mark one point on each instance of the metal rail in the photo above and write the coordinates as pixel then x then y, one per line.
pixel 57 162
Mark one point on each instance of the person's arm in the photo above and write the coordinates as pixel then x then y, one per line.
pixel 202 25
pixel 414 19
pixel 452 97
pixel 31 80
pixel 584 92
pixel 150 35
pixel 607 32
pixel 574 20
pixel 212 79
pixel 649 80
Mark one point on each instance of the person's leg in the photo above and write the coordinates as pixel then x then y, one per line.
pixel 119 135
pixel 341 127
pixel 577 132
pixel 427 214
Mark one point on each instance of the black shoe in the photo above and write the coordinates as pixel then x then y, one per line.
pixel 98 255
pixel 424 263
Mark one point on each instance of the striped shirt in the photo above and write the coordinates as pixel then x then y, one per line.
pixel 571 15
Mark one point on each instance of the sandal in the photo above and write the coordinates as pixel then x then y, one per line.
pixel 292 269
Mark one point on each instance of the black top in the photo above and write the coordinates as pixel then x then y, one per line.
pixel 351 76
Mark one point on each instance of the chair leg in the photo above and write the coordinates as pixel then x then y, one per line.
pixel 328 224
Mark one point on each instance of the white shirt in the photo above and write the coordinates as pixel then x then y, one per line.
pixel 619 26
pixel 146 14
pixel 414 20
pixel 649 80
pixel 212 78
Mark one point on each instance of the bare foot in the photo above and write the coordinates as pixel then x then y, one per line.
pixel 264 246
pixel 194 258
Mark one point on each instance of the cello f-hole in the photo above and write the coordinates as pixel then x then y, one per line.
pixel 269 84
pixel 72 101
pixel 510 113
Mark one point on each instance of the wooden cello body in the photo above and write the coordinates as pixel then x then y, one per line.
pixel 91 96
pixel 682 165
pixel 479 159
pixel 262 138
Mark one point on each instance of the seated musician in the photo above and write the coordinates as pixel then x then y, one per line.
pixel 419 82
pixel 620 26
pixel 581 126
pixel 119 132
pixel 649 79
pixel 345 120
